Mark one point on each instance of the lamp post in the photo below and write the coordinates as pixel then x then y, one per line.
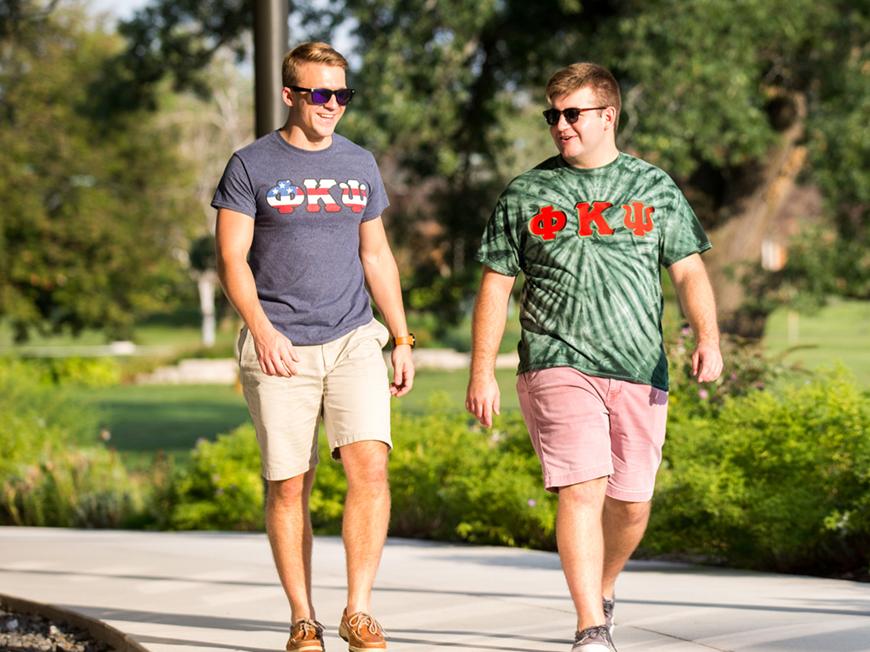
pixel 270 46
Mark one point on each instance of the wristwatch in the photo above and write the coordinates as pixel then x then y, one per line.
pixel 405 339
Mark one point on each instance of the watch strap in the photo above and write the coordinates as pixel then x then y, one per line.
pixel 408 339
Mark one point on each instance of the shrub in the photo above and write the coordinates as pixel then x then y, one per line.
pixel 747 370
pixel 452 480
pixel 30 403
pixel 73 488
pixel 779 480
pixel 219 489
pixel 84 372
pixel 327 496
pixel 53 471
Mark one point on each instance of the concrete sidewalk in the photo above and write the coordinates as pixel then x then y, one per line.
pixel 218 591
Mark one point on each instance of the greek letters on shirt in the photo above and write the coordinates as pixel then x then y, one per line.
pixel 548 222
pixel 318 195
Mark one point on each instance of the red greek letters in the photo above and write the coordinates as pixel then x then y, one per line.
pixel 638 219
pixel 547 223
pixel 587 217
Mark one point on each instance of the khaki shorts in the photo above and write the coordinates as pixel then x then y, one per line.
pixel 344 382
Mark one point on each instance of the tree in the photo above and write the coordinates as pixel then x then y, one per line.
pixel 95 210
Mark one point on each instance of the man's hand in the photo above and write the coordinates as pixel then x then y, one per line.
pixel 403 370
pixel 276 354
pixel 483 399
pixel 696 298
pixel 706 362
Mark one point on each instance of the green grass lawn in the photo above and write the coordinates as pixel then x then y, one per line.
pixel 446 389
pixel 837 334
pixel 145 419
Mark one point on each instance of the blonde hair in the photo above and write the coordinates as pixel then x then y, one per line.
pixel 310 52
pixel 580 75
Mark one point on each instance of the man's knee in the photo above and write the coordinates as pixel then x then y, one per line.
pixel 370 477
pixel 628 513
pixel 287 492
pixel 583 494
pixel 365 464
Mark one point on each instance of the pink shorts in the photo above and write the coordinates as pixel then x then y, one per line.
pixel 585 427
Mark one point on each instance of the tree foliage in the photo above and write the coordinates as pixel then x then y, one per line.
pixel 180 36
pixel 94 213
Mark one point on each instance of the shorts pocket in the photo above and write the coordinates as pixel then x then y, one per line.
pixel 242 344
pixel 383 334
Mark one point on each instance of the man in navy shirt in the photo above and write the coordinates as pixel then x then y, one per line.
pixel 299 235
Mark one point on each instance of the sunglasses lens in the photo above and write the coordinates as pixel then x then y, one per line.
pixel 571 115
pixel 344 96
pixel 552 116
pixel 321 95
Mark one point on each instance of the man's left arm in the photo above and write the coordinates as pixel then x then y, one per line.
pixel 696 297
pixel 382 277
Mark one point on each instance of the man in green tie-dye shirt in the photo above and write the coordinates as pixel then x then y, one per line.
pixel 591 229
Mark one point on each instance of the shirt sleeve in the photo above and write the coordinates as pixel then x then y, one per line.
pixel 377 197
pixel 499 246
pixel 234 190
pixel 682 234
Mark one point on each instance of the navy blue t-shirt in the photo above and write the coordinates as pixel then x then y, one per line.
pixel 307 207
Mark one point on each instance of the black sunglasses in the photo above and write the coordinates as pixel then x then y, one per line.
pixel 572 115
pixel 323 95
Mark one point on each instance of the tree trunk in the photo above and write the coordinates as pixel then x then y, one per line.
pixel 758 216
pixel 206 283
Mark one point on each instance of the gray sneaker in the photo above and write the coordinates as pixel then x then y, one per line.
pixel 593 639
pixel 608 613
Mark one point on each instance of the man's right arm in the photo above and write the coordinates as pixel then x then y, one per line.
pixel 490 313
pixel 233 235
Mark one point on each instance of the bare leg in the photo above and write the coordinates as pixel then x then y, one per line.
pixel 581 547
pixel 366 518
pixel 288 525
pixel 624 525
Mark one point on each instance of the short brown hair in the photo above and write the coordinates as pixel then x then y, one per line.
pixel 310 52
pixel 578 75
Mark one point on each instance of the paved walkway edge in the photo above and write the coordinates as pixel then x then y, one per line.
pixel 98 630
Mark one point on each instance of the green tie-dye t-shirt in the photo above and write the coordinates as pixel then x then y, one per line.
pixel 591 244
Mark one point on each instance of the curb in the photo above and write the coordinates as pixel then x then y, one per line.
pixel 98 630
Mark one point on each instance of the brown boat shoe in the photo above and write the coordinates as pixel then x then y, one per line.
pixel 362 632
pixel 305 636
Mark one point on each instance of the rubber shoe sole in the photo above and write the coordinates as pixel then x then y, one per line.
pixel 308 647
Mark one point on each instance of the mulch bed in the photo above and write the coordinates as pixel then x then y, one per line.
pixel 22 632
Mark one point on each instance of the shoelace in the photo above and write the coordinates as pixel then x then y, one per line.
pixel 359 620
pixel 592 632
